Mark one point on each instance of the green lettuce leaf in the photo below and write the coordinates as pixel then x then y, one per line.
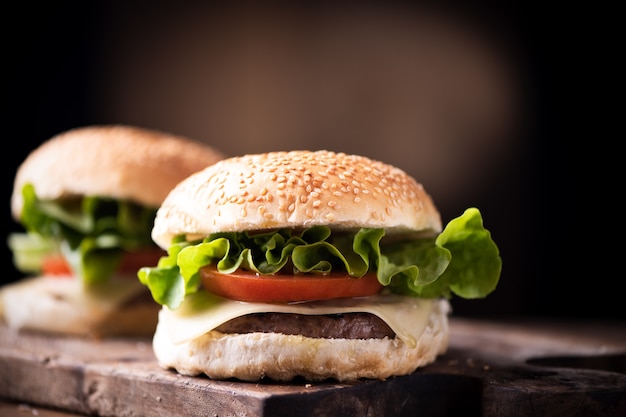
pixel 462 260
pixel 91 232
pixel 30 249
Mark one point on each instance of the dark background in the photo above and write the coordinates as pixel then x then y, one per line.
pixel 536 200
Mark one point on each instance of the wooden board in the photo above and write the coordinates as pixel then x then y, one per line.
pixel 491 369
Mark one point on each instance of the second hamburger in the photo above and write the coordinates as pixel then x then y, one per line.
pixel 86 199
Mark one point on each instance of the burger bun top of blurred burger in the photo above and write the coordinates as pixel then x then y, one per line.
pixel 115 161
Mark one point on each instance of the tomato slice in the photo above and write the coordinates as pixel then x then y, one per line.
pixel 251 287
pixel 56 265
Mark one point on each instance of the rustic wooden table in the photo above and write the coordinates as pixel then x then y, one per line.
pixel 501 368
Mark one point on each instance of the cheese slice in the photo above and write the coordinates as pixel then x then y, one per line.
pixel 202 312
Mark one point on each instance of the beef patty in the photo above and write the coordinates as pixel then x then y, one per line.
pixel 335 326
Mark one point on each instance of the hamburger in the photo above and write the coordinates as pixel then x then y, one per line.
pixel 87 199
pixel 309 264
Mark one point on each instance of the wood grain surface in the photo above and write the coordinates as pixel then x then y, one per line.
pixel 506 368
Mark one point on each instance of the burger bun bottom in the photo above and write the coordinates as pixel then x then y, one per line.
pixel 282 357
pixel 60 305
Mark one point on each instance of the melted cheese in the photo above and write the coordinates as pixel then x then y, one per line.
pixel 202 312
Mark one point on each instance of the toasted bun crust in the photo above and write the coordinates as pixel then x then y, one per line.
pixel 117 161
pixel 295 189
pixel 61 306
pixel 280 357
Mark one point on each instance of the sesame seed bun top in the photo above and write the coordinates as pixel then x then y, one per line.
pixel 295 189
pixel 116 161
